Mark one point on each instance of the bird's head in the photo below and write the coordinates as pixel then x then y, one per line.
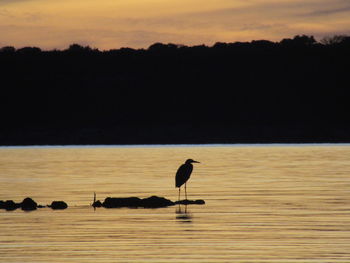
pixel 191 161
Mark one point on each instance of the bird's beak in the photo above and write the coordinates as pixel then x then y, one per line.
pixel 195 162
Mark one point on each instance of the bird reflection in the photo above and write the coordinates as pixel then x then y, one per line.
pixel 182 215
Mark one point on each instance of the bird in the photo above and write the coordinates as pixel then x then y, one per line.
pixel 183 174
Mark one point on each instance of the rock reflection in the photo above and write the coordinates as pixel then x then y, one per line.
pixel 183 215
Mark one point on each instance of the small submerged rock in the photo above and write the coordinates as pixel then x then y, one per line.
pixel 58 205
pixel 9 205
pixel 97 204
pixel 29 204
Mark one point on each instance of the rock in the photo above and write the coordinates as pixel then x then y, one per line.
pixel 97 204
pixel 155 201
pixel 190 202
pixel 150 202
pixel 112 202
pixel 29 204
pixel 9 205
pixel 58 205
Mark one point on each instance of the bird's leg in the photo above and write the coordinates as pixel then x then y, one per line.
pixel 185 191
pixel 179 193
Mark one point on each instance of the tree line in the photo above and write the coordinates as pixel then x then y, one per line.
pixel 295 90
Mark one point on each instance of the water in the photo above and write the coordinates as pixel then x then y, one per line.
pixel 263 204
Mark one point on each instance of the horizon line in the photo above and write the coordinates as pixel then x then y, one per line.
pixel 179 45
pixel 173 145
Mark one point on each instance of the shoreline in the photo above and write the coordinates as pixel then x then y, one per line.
pixel 320 144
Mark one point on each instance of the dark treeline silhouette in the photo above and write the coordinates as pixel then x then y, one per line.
pixel 295 90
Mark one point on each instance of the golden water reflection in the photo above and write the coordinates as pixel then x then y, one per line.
pixel 183 215
pixel 263 204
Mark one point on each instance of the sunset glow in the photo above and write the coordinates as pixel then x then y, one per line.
pixel 108 24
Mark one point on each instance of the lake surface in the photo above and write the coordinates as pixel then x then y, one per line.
pixel 263 204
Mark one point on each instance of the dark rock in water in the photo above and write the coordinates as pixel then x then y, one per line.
pixel 190 202
pixel 28 204
pixel 58 205
pixel 9 205
pixel 97 204
pixel 150 202
pixel 155 201
pixel 112 202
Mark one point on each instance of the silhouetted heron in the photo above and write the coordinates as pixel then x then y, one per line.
pixel 183 174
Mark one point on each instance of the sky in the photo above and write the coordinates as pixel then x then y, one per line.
pixel 109 24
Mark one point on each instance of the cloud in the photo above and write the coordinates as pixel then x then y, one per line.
pixel 112 24
pixel 48 37
pixel 12 2
pixel 327 12
pixel 4 13
pixel 285 10
pixel 265 17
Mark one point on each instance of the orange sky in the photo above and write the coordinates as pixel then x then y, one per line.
pixel 107 24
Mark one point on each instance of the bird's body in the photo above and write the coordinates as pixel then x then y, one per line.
pixel 183 174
